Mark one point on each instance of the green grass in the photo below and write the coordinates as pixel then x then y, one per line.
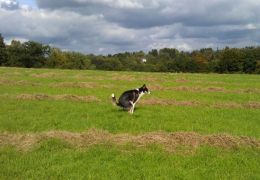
pixel 57 160
pixel 35 116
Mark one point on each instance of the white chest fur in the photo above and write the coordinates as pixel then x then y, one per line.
pixel 140 95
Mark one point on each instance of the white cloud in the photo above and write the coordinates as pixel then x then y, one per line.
pixel 251 26
pixel 8 41
pixel 9 4
pixel 110 26
pixel 117 3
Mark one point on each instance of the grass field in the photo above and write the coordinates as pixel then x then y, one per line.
pixel 60 124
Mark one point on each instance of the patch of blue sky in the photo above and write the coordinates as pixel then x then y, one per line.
pixel 31 3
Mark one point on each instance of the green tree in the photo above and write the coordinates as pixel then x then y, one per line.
pixel 35 54
pixel 170 53
pixel 3 51
pixel 231 60
pixel 249 61
pixel 201 62
pixel 153 52
pixel 76 60
pixel 56 59
pixel 257 69
pixel 16 53
pixel 28 54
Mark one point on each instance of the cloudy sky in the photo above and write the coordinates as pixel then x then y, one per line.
pixel 111 26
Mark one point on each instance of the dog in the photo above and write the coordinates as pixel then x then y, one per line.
pixel 129 98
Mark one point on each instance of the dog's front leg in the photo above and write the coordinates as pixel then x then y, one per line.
pixel 133 108
pixel 131 111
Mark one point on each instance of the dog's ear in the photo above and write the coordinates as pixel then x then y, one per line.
pixel 144 85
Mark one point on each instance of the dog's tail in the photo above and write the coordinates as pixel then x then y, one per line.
pixel 114 99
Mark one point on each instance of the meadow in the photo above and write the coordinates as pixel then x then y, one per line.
pixel 61 124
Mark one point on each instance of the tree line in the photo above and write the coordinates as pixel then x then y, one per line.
pixel 33 54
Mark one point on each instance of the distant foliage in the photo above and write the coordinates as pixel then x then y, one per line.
pixel 3 52
pixel 37 55
pixel 28 54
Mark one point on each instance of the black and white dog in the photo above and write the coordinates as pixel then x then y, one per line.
pixel 129 98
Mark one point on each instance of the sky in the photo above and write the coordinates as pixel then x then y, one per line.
pixel 31 3
pixel 113 26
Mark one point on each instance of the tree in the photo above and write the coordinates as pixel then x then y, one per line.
pixel 15 52
pixel 249 65
pixel 201 62
pixel 231 61
pixel 28 54
pixel 153 52
pixel 257 69
pixel 35 54
pixel 208 53
pixel 183 63
pixel 169 52
pixel 249 61
pixel 3 52
pixel 56 59
pixel 76 60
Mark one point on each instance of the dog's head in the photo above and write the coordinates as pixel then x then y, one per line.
pixel 144 89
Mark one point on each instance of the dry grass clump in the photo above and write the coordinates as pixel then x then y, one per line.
pixel 157 87
pixel 170 141
pixel 57 97
pixel 74 85
pixel 250 105
pixel 251 90
pixel 46 75
pixel 154 101
pixel 123 78
pixel 227 105
pixel 189 89
pixel 253 105
pixel 182 80
pixel 87 85
pixel 7 82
